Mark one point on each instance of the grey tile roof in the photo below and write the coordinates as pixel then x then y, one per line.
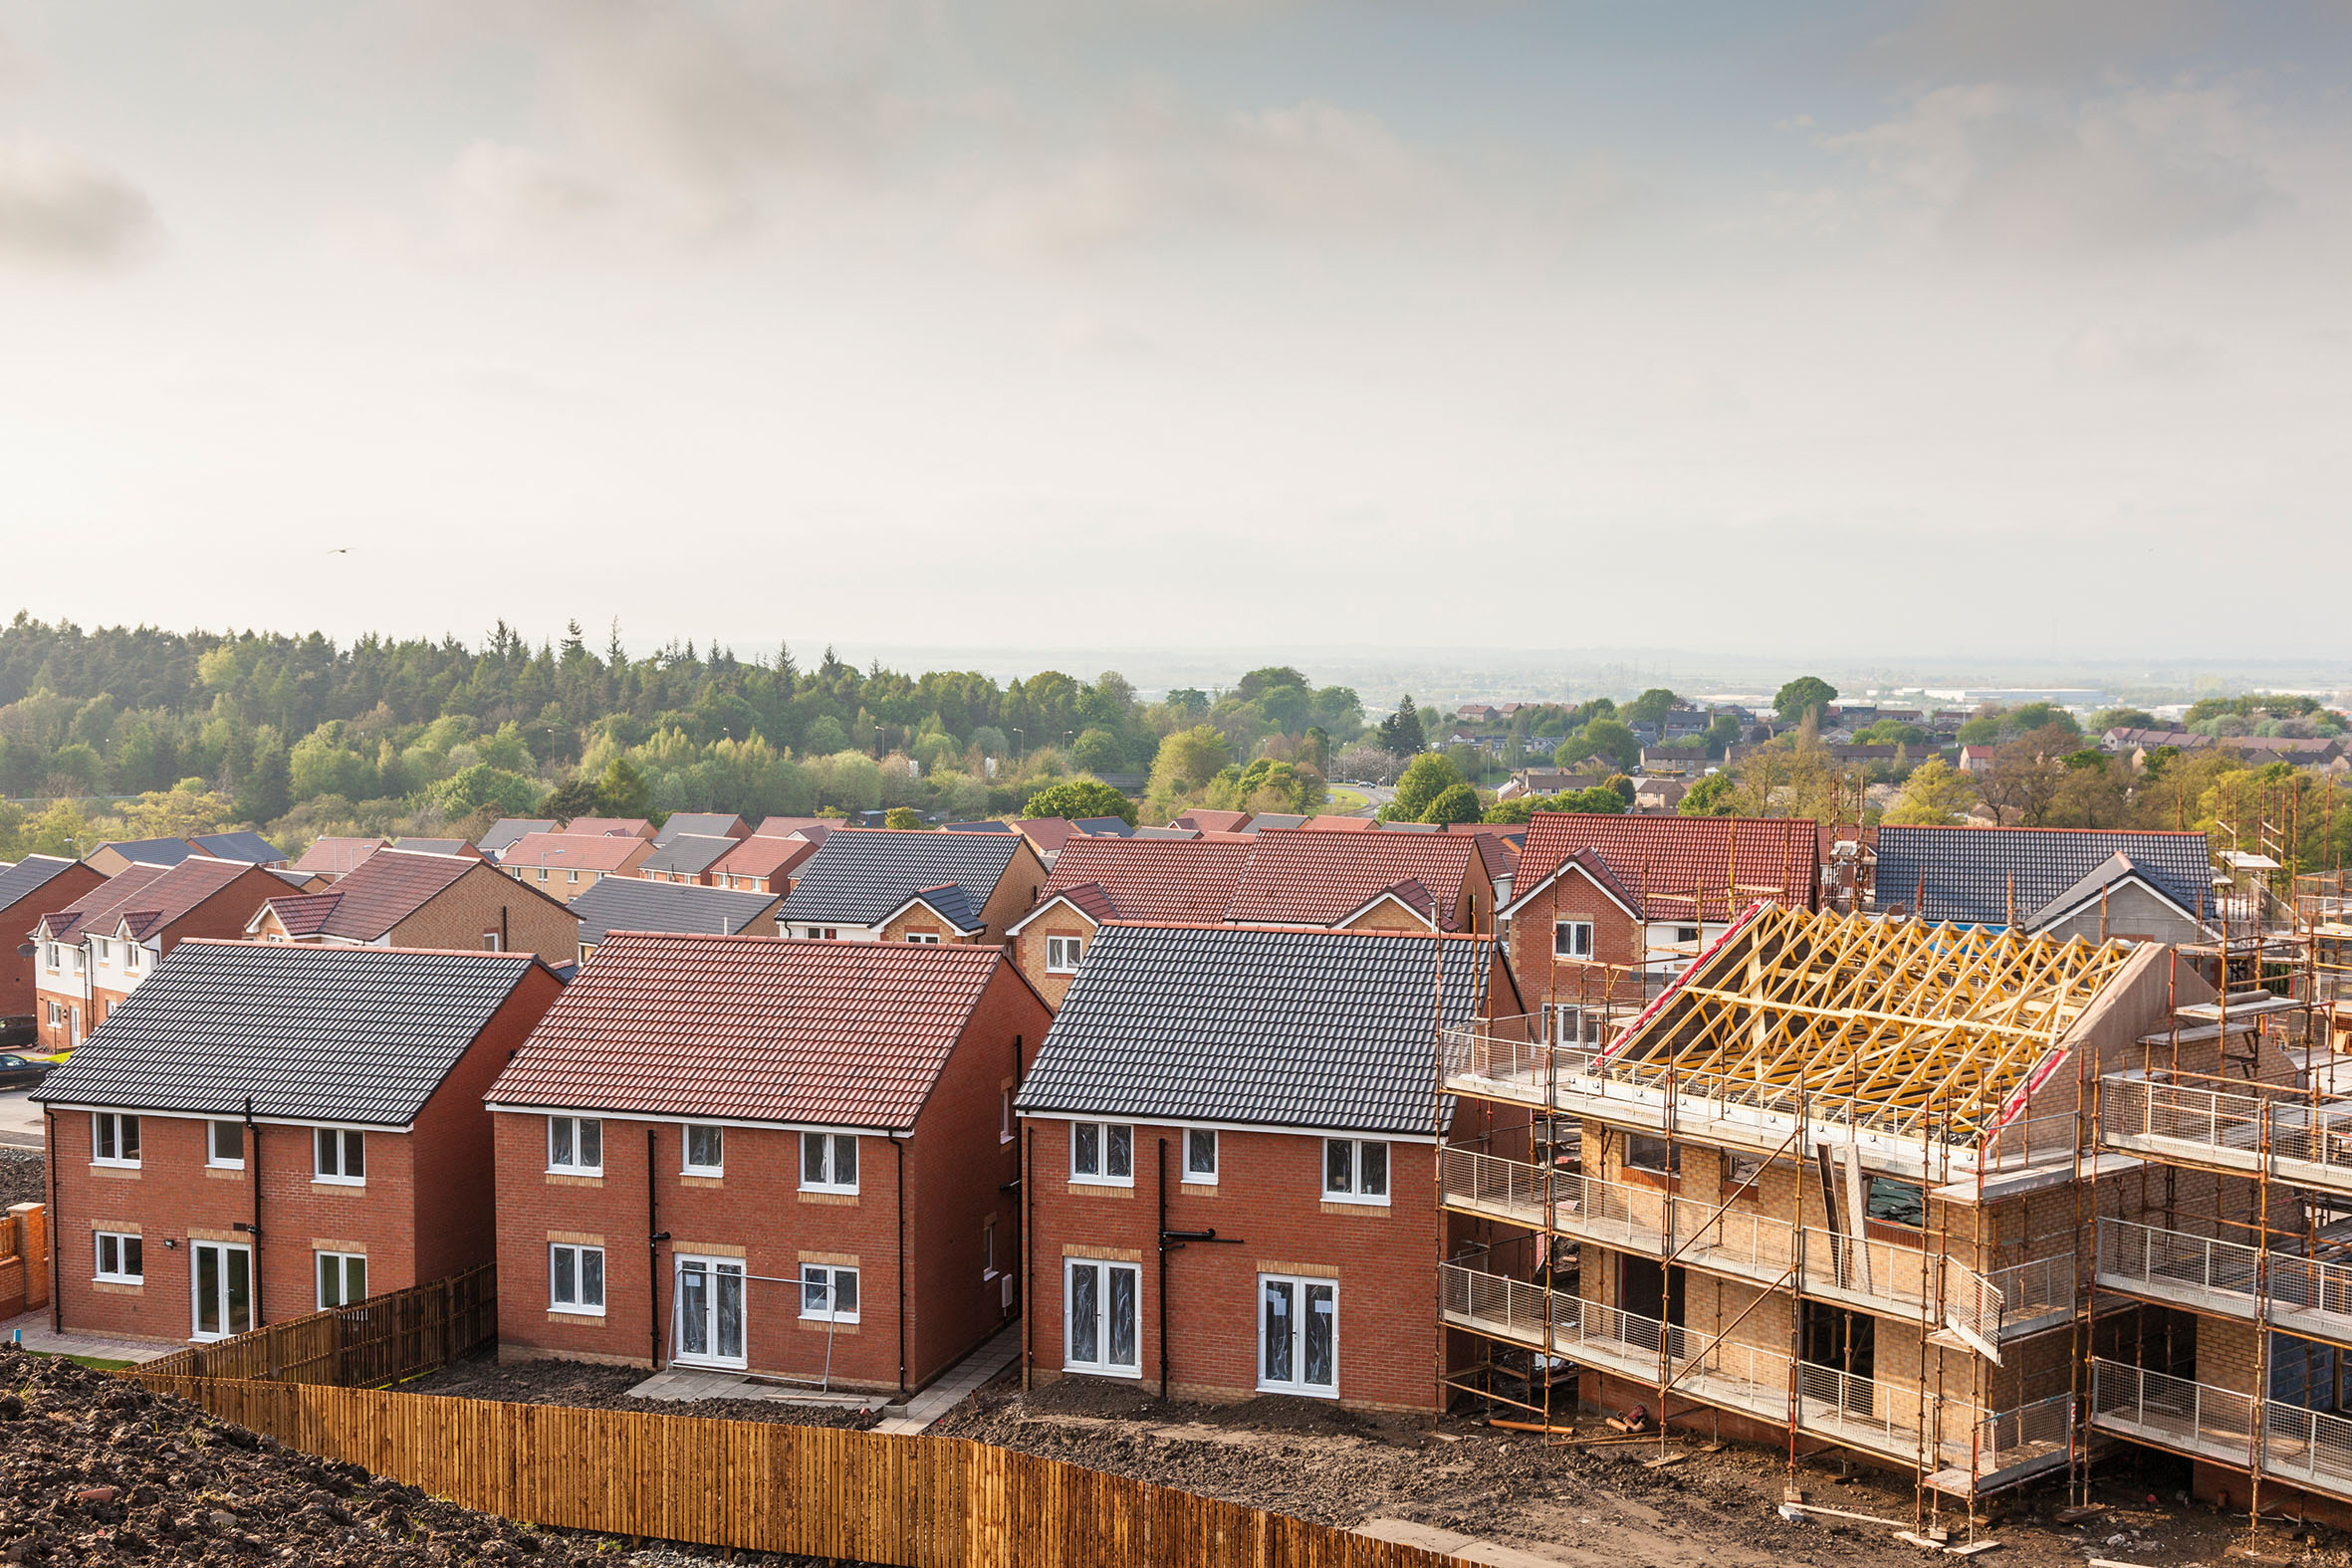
pixel 320 1033
pixel 625 903
pixel 154 852
pixel 952 905
pixel 239 846
pixel 508 830
pixel 1098 826
pixel 859 875
pixel 700 825
pixel 1282 1028
pixel 691 853
pixel 28 876
pixel 1967 873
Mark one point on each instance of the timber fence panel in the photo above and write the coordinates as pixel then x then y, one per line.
pixel 377 1340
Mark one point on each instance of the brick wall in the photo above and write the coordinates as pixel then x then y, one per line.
pixel 486 899
pixel 1616 939
pixel 1015 894
pixel 17 969
pixel 1028 948
pixel 1269 1198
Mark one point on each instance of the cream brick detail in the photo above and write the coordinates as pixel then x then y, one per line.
pixel 1112 1255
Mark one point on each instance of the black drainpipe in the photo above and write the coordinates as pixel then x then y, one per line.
pixel 900 1145
pixel 654 1236
pixel 57 1300
pixel 1160 1171
pixel 1028 1252
pixel 253 1132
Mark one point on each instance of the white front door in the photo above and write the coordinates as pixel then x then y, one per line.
pixel 710 1311
pixel 1297 1335
pixel 221 1276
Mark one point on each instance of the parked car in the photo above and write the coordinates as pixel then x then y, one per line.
pixel 22 1073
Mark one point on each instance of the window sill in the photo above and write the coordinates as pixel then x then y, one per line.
pixel 1197 1189
pixel 344 1182
pixel 837 1200
pixel 581 1315
pixel 1081 1188
pixel 119 1173
pixel 701 1179
pixel 809 1191
pixel 1296 1391
pixel 818 1325
pixel 1129 1374
pixel 567 1178
pixel 119 1288
pixel 1367 1207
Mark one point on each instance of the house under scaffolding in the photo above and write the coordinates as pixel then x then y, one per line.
pixel 1823 1190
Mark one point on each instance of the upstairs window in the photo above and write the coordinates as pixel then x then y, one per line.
pixel 576 1146
pixel 828 1162
pixel 1654 1155
pixel 1571 938
pixel 130 955
pixel 1062 954
pixel 1200 1155
pixel 706 1149
pixel 1355 1171
pixel 1103 1151
pixel 341 1156
pixel 224 1145
pixel 114 1139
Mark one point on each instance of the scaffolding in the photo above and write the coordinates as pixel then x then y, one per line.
pixel 1861 1050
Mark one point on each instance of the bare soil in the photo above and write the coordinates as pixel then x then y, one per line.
pixel 95 1470
pixel 1596 1506
pixel 23 1177
pixel 587 1385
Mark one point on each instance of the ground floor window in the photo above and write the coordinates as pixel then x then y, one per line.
pixel 342 1278
pixel 575 1277
pixel 121 1257
pixel 1101 1330
pixel 829 1294
pixel 710 1311
pixel 1297 1335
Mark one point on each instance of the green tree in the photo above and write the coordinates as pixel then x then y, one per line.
pixel 1456 803
pixel 1807 694
pixel 622 790
pixel 1936 794
pixel 1610 739
pixel 470 789
pixel 2120 719
pixel 1401 732
pixel 1098 751
pixel 266 793
pixel 904 818
pixel 1710 796
pixel 1428 775
pixel 1079 797
pixel 574 797
pixel 1651 706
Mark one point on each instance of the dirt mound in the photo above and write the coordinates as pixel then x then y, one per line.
pixel 585 1385
pixel 96 1471
pixel 23 1177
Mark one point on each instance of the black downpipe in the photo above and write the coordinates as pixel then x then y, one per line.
pixel 253 1174
pixel 1028 1252
pixel 1160 1172
pixel 900 1146
pixel 653 1239
pixel 57 1299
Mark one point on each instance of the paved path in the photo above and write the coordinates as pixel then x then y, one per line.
pixel 1452 1543
pixel 20 1120
pixel 37 1335
pixel 967 1375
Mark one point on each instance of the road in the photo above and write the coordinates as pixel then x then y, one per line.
pixel 20 1120
pixel 1378 795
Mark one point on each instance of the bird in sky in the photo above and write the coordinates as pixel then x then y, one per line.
pixel 341 550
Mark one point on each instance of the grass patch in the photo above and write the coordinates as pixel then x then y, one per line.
pixel 93 1363
pixel 1346 800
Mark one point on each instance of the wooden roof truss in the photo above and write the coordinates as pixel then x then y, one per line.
pixel 1897 1026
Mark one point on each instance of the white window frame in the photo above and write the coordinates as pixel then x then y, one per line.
pixel 343 1267
pixel 827 1278
pixel 824 933
pixel 1103 1271
pixel 1572 1024
pixel 130 955
pixel 1301 1285
pixel 570 876
pixel 1007 1124
pixel 828 1179
pixel 1353 1193
pixel 492 941
pixel 212 1155
pixel 110 1128
pixel 575 1166
pixel 55 963
pixel 1063 953
pixel 342 1140
pixel 579 1305
pixel 106 949
pixel 1102 1175
pixel 924 938
pixel 125 1241
pixel 715 1272
pixel 226 1250
pixel 988 1250
pixel 1193 1174
pixel 1567 934
pixel 686 1149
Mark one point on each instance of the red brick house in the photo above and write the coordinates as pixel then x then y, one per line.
pixel 29 889
pixel 213 1176
pixel 566 865
pixel 1228 1154
pixel 763 863
pixel 399 898
pixel 1604 910
pixel 817 1135
pixel 94 951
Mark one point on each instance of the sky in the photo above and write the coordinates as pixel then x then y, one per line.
pixel 1980 326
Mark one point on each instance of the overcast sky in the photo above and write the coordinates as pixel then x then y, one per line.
pixel 1991 325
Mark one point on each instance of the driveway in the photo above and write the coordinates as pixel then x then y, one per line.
pixel 20 1120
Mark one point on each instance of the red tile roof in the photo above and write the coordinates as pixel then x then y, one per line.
pixel 1670 861
pixel 334 856
pixel 762 856
pixel 1158 879
pixel 1340 825
pixel 753 1029
pixel 1048 833
pixel 102 904
pixel 1301 877
pixel 777 826
pixel 574 853
pixel 387 889
pixel 1213 821
pixel 153 902
pixel 602 826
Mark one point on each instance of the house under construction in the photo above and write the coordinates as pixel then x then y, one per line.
pixel 1822 1190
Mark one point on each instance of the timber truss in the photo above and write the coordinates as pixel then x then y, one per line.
pixel 1895 1026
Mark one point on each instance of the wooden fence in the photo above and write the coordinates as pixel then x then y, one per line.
pixel 395 1335
pixel 902 1502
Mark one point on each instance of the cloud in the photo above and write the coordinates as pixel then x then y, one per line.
pixel 58 209
pixel 2136 168
pixel 2138 354
pixel 495 189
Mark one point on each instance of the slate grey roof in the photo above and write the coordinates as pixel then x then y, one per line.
pixel 154 852
pixel 318 1033
pixel 1967 872
pixel 626 903
pixel 28 875
pixel 1280 1029
pixel 239 846
pixel 859 875
pixel 699 824
pixel 504 833
pixel 691 853
pixel 1098 827
pixel 987 826
pixel 952 905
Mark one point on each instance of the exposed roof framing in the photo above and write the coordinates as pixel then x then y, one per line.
pixel 1896 1027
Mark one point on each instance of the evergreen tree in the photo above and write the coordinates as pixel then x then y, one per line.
pixel 1401 732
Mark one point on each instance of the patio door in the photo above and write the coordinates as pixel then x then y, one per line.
pixel 1297 1335
pixel 221 1275
pixel 710 1311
